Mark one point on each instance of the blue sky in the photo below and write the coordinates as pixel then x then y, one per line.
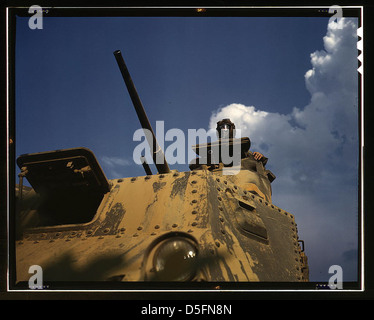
pixel 183 69
pixel 191 71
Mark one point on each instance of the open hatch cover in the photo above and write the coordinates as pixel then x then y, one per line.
pixel 59 170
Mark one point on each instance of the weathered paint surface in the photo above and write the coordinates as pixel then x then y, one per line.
pixel 240 236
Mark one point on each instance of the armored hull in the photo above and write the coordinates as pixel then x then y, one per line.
pixel 206 224
pixel 224 232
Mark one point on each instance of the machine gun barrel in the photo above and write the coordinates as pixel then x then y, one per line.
pixel 157 153
pixel 146 167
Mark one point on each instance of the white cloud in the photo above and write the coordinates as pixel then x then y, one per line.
pixel 113 166
pixel 115 161
pixel 313 150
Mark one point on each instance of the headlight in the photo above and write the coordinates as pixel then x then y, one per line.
pixel 175 260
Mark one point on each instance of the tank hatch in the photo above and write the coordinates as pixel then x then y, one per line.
pixel 70 184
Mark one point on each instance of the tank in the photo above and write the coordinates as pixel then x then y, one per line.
pixel 202 225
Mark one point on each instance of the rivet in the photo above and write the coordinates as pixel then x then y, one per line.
pixel 58 234
pixel 193 181
pixel 194 201
pixel 147 177
pixel 217 244
pixel 157 226
pixel 119 180
pixel 194 223
pixel 161 176
pixel 176 174
pixel 101 237
pixel 174 225
pixel 118 236
pixel 219 198
pixel 36 241
pixel 193 172
pixel 123 229
pixel 153 233
pixel 67 240
pixel 235 187
pixel 221 219
pixel 106 230
pixel 225 182
pixel 223 231
pixel 135 235
pixel 189 231
pixel 194 191
pixel 219 189
pixel 245 192
pixel 220 208
pixel 140 228
pixel 133 179
pixel 194 212
pixel 217 179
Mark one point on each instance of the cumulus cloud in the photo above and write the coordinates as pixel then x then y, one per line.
pixel 313 150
